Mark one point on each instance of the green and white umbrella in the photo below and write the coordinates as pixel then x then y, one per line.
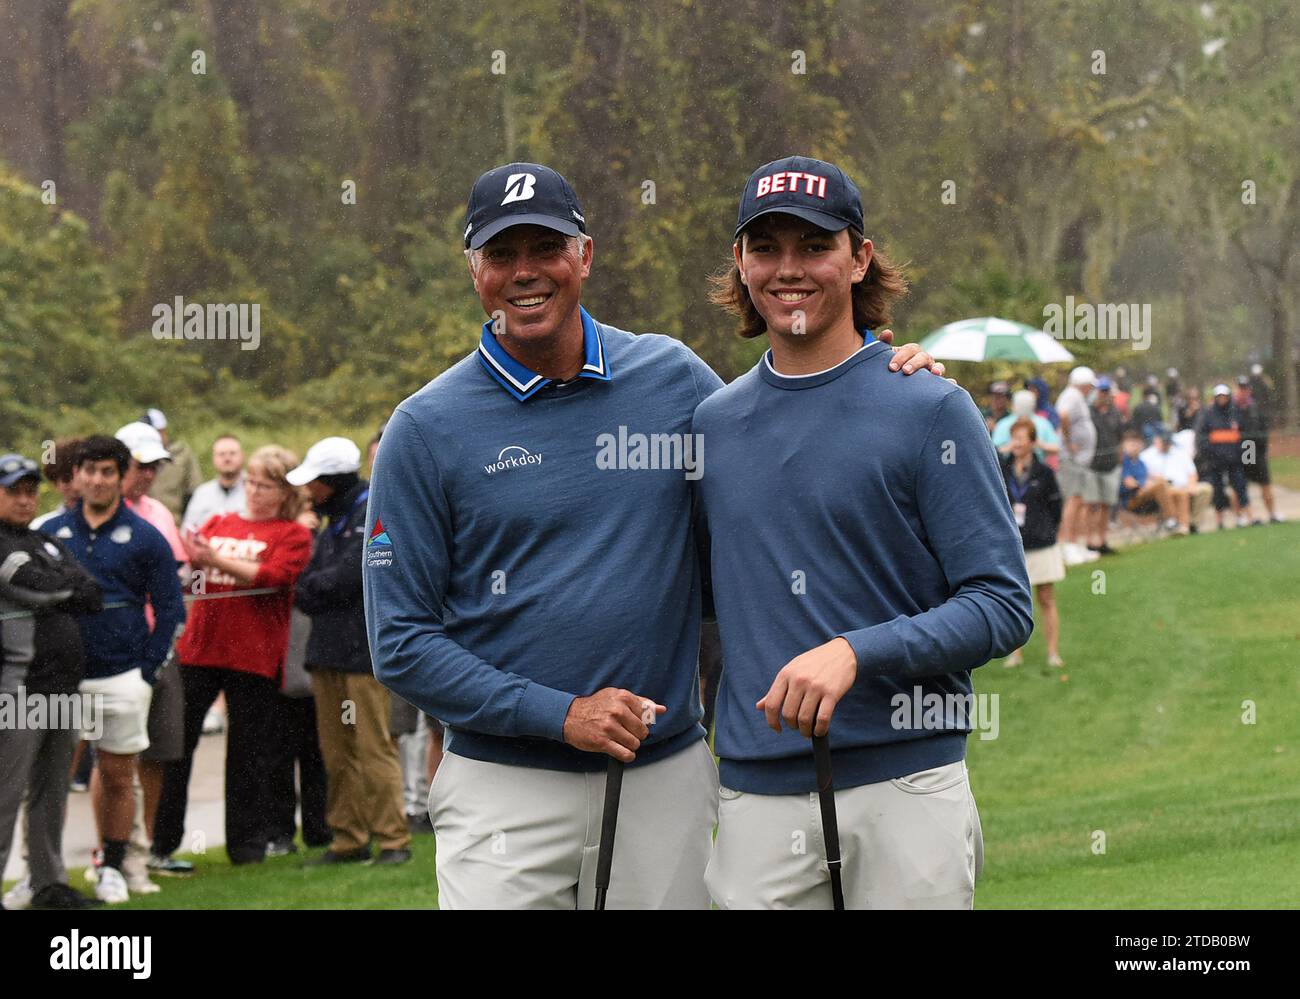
pixel 993 339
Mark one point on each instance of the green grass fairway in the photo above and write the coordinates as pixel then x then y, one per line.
pixel 1285 471
pixel 283 883
pixel 1144 742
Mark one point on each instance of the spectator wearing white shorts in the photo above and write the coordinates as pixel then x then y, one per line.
pixel 134 566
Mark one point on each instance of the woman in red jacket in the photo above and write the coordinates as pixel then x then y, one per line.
pixel 237 645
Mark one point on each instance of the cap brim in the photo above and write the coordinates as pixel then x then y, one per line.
pixel 301 475
pixel 17 477
pixel 500 225
pixel 147 456
pixel 828 222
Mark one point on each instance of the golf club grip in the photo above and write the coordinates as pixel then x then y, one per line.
pixel 608 827
pixel 830 823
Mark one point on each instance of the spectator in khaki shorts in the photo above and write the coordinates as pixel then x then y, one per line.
pixel 1174 466
pixel 1079 440
pixel 352 708
pixel 1140 491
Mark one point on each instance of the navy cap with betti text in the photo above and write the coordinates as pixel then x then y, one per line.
pixel 521 194
pixel 813 190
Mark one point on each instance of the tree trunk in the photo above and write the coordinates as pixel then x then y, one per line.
pixel 1191 277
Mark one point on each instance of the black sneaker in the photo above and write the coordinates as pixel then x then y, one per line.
pixel 1102 549
pixel 169 866
pixel 419 824
pixel 61 896
pixel 391 858
pixel 329 858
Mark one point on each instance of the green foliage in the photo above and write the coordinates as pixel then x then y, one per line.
pixel 226 186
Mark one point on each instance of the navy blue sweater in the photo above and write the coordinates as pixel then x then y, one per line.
pixel 861 504
pixel 511 564
pixel 133 563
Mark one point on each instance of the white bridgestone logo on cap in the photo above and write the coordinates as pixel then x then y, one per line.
pixel 519 187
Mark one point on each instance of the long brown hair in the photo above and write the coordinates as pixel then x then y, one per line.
pixel 275 463
pixel 873 296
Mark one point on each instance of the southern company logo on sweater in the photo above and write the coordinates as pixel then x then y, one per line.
pixel 379 549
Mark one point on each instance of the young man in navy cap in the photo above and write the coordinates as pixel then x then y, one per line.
pixel 864 560
pixel 531 578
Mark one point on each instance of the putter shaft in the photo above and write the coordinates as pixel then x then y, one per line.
pixel 608 827
pixel 830 824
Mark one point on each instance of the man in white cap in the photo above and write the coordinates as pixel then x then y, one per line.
pixel 1219 442
pixel 1080 441
pixel 365 797
pixel 166 722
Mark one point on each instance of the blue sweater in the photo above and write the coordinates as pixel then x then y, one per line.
pixel 862 504
pixel 509 568
pixel 1135 468
pixel 133 563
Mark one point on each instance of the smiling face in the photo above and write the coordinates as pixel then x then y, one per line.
pixel 532 275
pixel 101 483
pixel 800 277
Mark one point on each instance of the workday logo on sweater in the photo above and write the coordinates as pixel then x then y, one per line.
pixel 514 456
pixel 379 549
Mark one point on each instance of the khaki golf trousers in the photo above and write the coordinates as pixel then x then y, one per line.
pixel 522 838
pixel 364 792
pixel 910 843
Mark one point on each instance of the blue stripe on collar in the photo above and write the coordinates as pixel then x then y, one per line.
pixel 523 382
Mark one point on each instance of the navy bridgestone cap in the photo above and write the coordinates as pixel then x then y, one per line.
pixel 815 191
pixel 521 194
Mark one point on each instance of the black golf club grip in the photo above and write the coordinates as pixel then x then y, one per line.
pixel 830 824
pixel 608 827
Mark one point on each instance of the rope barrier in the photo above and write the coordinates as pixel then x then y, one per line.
pixel 260 591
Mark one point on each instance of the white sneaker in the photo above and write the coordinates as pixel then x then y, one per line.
pixel 1243 520
pixel 110 886
pixel 213 722
pixel 140 884
pixel 1071 551
pixel 19 896
pixel 136 870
